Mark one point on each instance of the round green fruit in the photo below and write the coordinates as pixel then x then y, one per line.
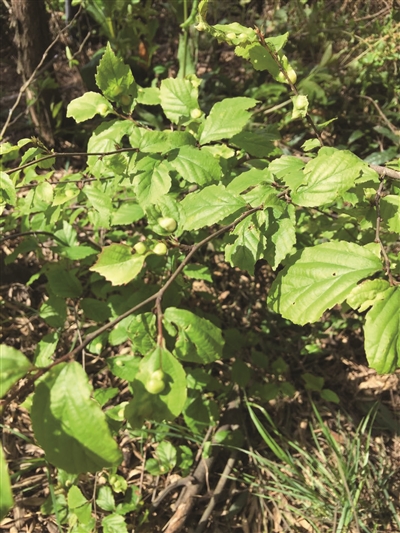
pixel 158 375
pixel 196 113
pixel 140 248
pixel 155 386
pixel 126 100
pixel 160 249
pixel 291 74
pixel 167 223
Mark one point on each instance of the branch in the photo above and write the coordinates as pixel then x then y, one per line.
pixel 15 392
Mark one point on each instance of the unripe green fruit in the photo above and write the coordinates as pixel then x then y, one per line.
pixel 291 75
pixel 102 109
pixel 196 113
pixel 231 35
pixel 167 223
pixel 160 249
pixel 156 383
pixel 140 248
pixel 158 375
pixel 125 100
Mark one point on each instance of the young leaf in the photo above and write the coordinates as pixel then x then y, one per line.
pixel 114 523
pixel 88 106
pixel 114 78
pixel 178 98
pixel 328 176
pixel 209 206
pixel 118 265
pixel 6 499
pixel 390 212
pixel 226 119
pixel 69 425
pixel 320 277
pixel 199 341
pixel 14 365
pixel 382 332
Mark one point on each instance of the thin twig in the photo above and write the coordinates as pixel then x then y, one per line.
pixel 394 130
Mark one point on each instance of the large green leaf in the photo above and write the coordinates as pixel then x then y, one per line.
pixel 198 339
pixel 166 405
pixel 69 425
pixel 382 332
pixel 63 283
pixel 117 264
pixel 320 277
pixel 87 106
pixel 209 206
pixel 13 366
pixel 178 98
pixel 226 119
pixel 6 499
pixel 281 237
pixel 195 166
pixel 329 175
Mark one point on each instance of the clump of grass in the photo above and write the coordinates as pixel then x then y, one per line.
pixel 339 484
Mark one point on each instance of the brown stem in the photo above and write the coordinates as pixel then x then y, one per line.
pixel 386 259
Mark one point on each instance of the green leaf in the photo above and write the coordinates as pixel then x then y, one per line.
pixel 289 169
pixel 63 283
pixel 118 265
pixel 367 293
pixel 226 119
pixel 46 349
pixel 88 106
pixel 105 499
pixel 114 78
pixel 327 177
pixel 198 271
pixel 248 179
pixel 195 166
pixel 256 144
pixel 382 332
pixel 320 277
pixel 6 499
pixel 142 332
pixel 95 309
pixel 250 244
pixel 106 138
pixel 390 212
pixel 281 237
pixel 199 340
pixel 153 180
pixel 209 206
pixel 54 312
pixel 126 214
pixel 8 194
pixel 164 406
pixel 178 98
pixel 14 365
pixel 114 523
pixel 69 425
pixel 100 201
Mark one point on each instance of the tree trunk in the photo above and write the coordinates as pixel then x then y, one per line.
pixel 32 37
